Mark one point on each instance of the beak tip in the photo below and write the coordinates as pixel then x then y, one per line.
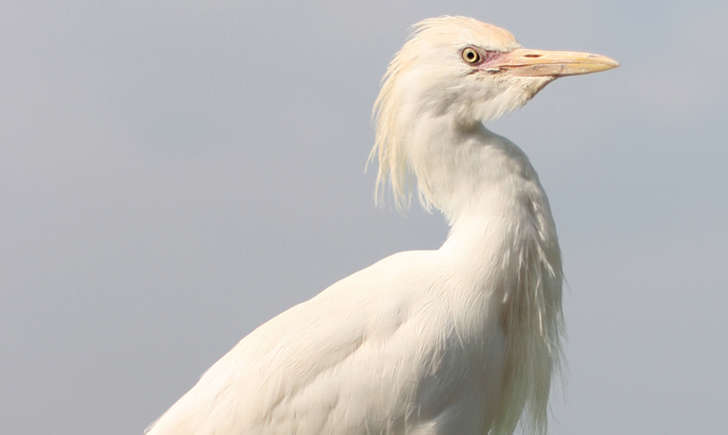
pixel 603 63
pixel 609 61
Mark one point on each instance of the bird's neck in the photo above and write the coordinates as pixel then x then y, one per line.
pixel 504 251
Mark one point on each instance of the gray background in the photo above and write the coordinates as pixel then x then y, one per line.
pixel 174 173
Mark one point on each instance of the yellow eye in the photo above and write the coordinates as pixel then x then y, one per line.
pixel 470 55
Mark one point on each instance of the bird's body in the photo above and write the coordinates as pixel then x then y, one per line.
pixel 459 340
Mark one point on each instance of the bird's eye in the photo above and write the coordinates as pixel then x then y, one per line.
pixel 470 55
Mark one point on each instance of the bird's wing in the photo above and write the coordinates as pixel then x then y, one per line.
pixel 346 358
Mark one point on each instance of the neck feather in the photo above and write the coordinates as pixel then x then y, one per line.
pixel 504 238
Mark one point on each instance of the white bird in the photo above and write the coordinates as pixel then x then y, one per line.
pixel 464 339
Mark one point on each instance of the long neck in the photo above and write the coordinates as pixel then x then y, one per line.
pixel 503 243
pixel 490 194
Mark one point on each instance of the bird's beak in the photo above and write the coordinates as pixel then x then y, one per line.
pixel 545 63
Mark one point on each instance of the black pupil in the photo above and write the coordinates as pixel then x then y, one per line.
pixel 471 55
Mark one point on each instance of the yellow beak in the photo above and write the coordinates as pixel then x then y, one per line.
pixel 535 63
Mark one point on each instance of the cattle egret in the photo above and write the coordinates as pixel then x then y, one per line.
pixel 464 339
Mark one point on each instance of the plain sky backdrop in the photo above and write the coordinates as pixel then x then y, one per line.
pixel 174 173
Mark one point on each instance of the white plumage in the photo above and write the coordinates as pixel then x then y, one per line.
pixel 460 340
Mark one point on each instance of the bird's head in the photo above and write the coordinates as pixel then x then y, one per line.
pixel 463 70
